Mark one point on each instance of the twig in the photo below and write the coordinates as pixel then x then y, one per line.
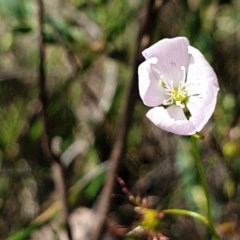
pixel 57 168
pixel 150 10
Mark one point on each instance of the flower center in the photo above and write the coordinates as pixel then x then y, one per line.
pixel 175 95
pixel 179 95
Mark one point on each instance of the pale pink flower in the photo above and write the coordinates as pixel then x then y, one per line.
pixel 179 84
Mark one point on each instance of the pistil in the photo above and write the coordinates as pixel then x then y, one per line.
pixel 175 95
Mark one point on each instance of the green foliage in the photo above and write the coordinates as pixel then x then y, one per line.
pixel 23 233
pixel 94 186
pixel 19 12
pixel 12 123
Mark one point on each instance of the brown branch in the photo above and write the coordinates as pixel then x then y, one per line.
pixel 144 36
pixel 57 168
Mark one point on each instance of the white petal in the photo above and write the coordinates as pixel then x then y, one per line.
pixel 201 74
pixel 150 90
pixel 162 119
pixel 172 54
pixel 199 66
pixel 176 112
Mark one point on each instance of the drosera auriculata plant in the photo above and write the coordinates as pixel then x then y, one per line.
pixel 181 88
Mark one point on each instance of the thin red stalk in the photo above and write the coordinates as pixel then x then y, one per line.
pixel 57 168
pixel 150 10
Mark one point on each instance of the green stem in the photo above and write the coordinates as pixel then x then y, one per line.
pixel 176 211
pixel 201 174
pixel 204 184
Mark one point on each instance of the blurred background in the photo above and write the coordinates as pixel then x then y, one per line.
pixel 90 102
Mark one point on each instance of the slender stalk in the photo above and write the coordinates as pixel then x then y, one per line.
pixel 57 168
pixel 176 211
pixel 204 184
pixel 201 174
pixel 149 18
